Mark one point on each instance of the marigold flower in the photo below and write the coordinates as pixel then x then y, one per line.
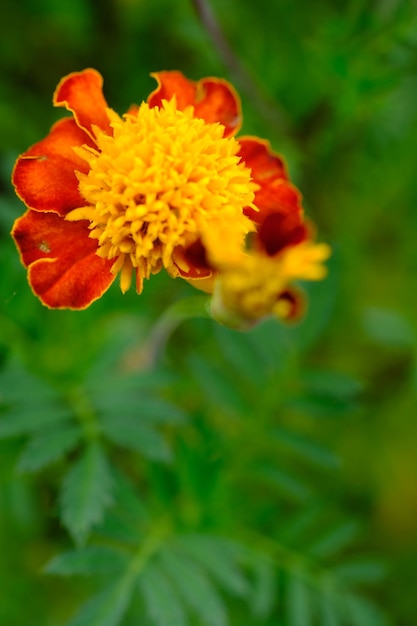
pixel 165 186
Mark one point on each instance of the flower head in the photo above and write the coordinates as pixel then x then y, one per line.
pixel 165 186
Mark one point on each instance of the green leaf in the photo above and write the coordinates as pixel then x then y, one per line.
pixel 240 352
pixel 141 408
pixel 263 595
pixel 219 557
pixel 287 483
pixel 360 572
pixel 299 610
pixel 88 560
pixel 133 434
pixel 334 540
pixel 306 448
pixel 194 587
pixel 330 609
pixel 293 529
pixel 389 328
pixel 27 420
pixel 219 389
pixel 363 612
pixel 45 448
pixel 162 602
pixel 107 608
pixel 86 492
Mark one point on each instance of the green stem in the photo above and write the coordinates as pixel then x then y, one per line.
pixel 85 414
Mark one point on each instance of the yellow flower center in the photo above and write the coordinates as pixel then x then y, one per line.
pixel 248 288
pixel 162 181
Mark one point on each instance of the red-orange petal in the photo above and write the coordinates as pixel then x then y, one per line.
pixel 63 268
pixel 295 304
pixel 82 94
pixel 279 230
pixel 213 99
pixel 44 175
pixel 275 192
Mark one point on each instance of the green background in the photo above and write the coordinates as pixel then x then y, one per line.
pixel 279 425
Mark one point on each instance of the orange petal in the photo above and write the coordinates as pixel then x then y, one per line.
pixel 63 268
pixel 275 192
pixel 82 94
pixel 213 99
pixel 44 175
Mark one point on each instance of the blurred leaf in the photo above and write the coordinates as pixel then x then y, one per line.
pixel 295 526
pixel 107 608
pixel 239 350
pixel 360 572
pixel 45 448
pixel 306 448
pixel 162 602
pixel 194 587
pixel 88 560
pixel 86 492
pixel 334 540
pixel 131 433
pixel 363 612
pixel 286 482
pixel 31 419
pixel 264 593
pixel 389 328
pixel 299 610
pixel 219 391
pixel 329 614
pixel 219 557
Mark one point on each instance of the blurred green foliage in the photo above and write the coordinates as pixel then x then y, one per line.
pixel 245 479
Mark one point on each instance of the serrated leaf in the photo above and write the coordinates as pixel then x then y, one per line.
pixel 306 448
pixel 107 608
pixel 162 601
pixel 219 557
pixel 86 492
pixel 87 561
pixel 194 587
pixel 45 448
pixel 335 540
pixel 299 610
pixel 132 434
